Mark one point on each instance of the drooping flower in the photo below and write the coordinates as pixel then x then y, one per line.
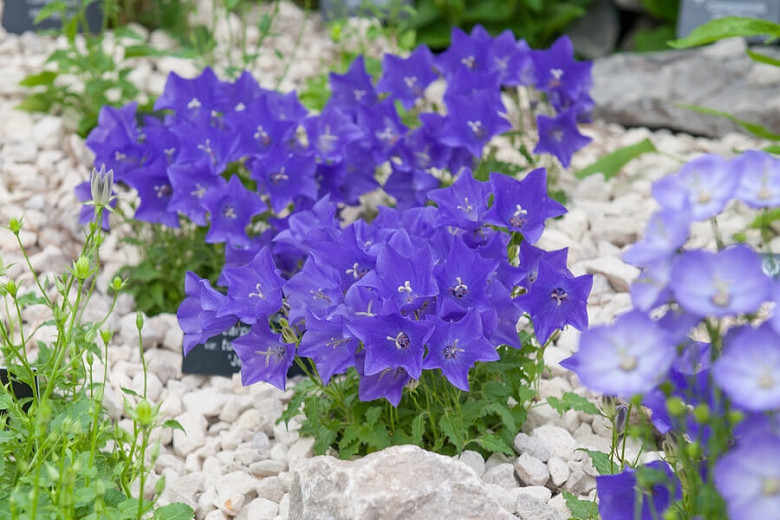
pixel 264 356
pixel 719 284
pixel 629 357
pixel 749 368
pixel 197 314
pixel 653 485
pixel 522 206
pixel 455 346
pixel 388 383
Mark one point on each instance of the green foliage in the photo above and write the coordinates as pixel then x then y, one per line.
pixel 611 164
pixel 432 413
pixel 727 27
pixel 157 281
pixel 538 22
pixel 754 128
pixel 61 456
pixel 663 9
pixel 580 509
pixel 572 401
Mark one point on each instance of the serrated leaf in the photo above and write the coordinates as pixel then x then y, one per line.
pixel 324 438
pixel 494 444
pixel 580 509
pixel 496 390
pixel 373 414
pixel 418 428
pixel 754 128
pixel 505 413
pixel 611 164
pixel 175 511
pixel 727 27
pixel 572 401
pixel 351 433
pixel 601 462
pixel 452 426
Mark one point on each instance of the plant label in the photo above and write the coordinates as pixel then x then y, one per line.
pixel 216 356
pixel 20 390
pixel 19 15
pixel 694 13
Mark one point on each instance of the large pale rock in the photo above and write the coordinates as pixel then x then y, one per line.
pixel 402 482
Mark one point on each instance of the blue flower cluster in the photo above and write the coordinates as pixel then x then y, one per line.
pixel 650 351
pixel 423 286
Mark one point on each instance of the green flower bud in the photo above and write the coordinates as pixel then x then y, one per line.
pixel 15 225
pixel 144 413
pixel 52 472
pixel 81 268
pixel 701 413
pixel 735 417
pixel 676 407
pixel 159 486
pixel 117 284
pixel 139 320
pixel 106 335
pixel 289 335
pixel 693 450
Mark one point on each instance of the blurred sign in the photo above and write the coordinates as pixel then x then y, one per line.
pixel 694 13
pixel 216 356
pixel 18 15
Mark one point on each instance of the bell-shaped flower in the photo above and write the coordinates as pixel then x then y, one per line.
pixel 264 356
pixel 197 313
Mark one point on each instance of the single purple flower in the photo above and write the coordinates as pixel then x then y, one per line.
pixel 285 176
pixel 653 485
pixel 462 278
pixel 559 136
pixel 473 120
pixel 193 99
pixel 155 193
pixel 564 80
pixel 197 313
pixel 352 89
pixel 117 141
pixel 748 478
pixel 511 60
pixel 406 78
pixel 316 288
pixel 522 206
pixel 556 300
pixel 254 290
pixel 455 346
pixel 629 357
pixel 467 55
pixel 389 383
pixel 392 342
pixel 748 371
pixel 329 133
pixel 463 204
pixel 231 210
pixel 705 184
pixel 190 183
pixel 759 179
pixel 329 344
pixel 719 284
pixel 264 356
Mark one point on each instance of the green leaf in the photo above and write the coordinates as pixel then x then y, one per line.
pixel 48 10
pixel 572 401
pixel 505 413
pixel 763 58
pixel 772 148
pixel 418 428
pixel 764 220
pixel 580 509
pixel 373 414
pixel 175 511
pixel 324 438
pixel 753 128
pixel 727 27
pixel 611 164
pixel 45 77
pixel 37 102
pixel 493 444
pixel 452 426
pixel 601 462
pixel 173 424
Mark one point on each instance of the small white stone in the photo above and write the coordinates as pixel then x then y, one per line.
pixel 193 436
pixel 259 509
pixel 558 440
pixel 301 449
pixel 207 401
pixel 559 471
pixel 531 471
pixel 270 488
pixel 267 468
pixel 539 492
pixel 501 475
pixel 473 460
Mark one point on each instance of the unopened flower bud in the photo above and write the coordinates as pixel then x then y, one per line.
pixel 101 183
pixel 676 406
pixel 117 284
pixel 735 416
pixel 701 413
pixel 15 225
pixel 81 268
pixel 144 413
pixel 106 335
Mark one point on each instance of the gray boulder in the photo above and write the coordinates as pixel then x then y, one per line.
pixel 401 482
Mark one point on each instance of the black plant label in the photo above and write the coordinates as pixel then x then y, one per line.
pixel 17 389
pixel 216 356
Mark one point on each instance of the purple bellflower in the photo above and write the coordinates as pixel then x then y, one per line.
pixel 653 484
pixel 329 344
pixel 759 179
pixel 231 209
pixel 264 356
pixel 629 357
pixel 719 284
pixel 197 314
pixel 522 206
pixel 389 383
pixel 463 204
pixel 254 290
pixel 406 78
pixel 559 136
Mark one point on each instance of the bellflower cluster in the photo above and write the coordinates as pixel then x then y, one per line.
pixel 422 288
pixel 697 391
pixel 290 157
